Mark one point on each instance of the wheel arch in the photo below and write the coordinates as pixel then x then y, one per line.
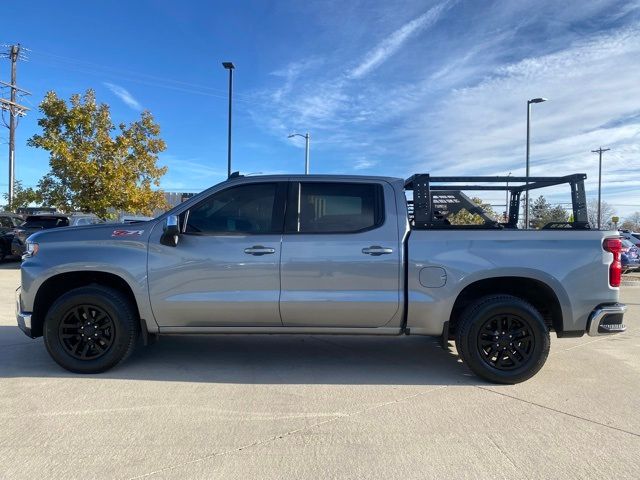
pixel 57 285
pixel 535 291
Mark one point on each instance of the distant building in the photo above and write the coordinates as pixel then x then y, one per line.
pixel 176 198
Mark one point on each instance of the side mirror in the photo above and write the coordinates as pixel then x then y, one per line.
pixel 170 231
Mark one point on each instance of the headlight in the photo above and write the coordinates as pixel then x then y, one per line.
pixel 31 251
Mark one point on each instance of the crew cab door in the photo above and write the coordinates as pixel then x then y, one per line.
pixel 340 255
pixel 225 270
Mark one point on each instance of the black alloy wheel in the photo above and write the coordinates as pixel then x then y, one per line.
pixel 505 342
pixel 502 338
pixel 91 329
pixel 86 332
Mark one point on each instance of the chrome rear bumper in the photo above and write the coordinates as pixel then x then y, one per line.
pixel 606 319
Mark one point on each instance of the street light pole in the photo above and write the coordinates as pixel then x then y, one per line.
pixel 599 152
pixel 229 66
pixel 526 198
pixel 307 141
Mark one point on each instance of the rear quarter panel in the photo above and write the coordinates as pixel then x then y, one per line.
pixel 572 263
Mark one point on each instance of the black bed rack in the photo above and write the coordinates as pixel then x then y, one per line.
pixel 432 194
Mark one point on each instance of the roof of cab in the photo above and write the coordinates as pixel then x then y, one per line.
pixel 301 176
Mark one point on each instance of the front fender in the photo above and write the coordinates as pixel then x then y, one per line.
pixel 126 259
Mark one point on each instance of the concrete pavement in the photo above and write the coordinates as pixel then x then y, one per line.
pixel 300 407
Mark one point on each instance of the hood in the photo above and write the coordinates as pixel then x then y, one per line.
pixel 103 231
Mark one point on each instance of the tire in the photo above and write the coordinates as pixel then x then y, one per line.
pixel 503 339
pixel 90 329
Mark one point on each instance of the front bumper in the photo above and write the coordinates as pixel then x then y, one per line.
pixel 606 320
pixel 23 318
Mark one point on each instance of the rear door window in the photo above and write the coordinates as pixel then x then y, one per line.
pixel 325 207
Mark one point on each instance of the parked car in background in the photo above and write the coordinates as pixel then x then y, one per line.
pixel 33 224
pixel 79 219
pixel 8 223
pixel 133 218
pixel 630 256
pixel 633 237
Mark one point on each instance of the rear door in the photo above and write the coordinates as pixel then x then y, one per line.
pixel 340 262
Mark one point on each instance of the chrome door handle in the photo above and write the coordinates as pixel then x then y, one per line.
pixel 377 250
pixel 259 250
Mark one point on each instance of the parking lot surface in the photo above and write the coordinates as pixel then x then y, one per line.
pixel 274 407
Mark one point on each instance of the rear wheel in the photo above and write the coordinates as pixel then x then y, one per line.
pixel 503 339
pixel 90 329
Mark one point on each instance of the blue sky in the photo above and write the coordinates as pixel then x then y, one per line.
pixel 384 88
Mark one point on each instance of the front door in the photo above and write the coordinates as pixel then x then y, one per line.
pixel 225 270
pixel 341 262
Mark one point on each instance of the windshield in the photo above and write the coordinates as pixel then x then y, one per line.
pixel 45 222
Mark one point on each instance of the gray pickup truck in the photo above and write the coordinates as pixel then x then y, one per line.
pixel 320 254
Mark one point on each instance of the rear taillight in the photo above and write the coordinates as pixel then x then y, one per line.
pixel 614 246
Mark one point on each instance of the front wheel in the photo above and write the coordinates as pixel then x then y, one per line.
pixel 503 339
pixel 90 329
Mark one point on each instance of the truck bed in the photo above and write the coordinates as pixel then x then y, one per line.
pixel 442 263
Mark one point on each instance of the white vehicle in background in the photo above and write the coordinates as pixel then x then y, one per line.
pixel 133 218
pixel 79 219
pixel 633 237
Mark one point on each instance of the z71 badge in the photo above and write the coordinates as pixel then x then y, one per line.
pixel 127 233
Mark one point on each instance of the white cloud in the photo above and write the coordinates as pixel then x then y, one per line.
pixel 459 105
pixel 123 95
pixel 393 42
pixel 363 164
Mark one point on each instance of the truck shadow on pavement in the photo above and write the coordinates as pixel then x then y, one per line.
pixel 10 264
pixel 260 359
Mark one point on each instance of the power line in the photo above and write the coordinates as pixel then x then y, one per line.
pixel 137 77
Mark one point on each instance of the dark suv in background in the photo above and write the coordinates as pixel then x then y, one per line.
pixel 8 223
pixel 33 224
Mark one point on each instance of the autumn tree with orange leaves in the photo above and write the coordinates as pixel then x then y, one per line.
pixel 95 166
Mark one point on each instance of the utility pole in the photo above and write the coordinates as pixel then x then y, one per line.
pixel 15 110
pixel 599 152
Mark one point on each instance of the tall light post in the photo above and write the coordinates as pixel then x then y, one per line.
pixel 599 152
pixel 526 198
pixel 229 66
pixel 307 140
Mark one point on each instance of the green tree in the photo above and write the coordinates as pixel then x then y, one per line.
pixel 465 217
pixel 91 168
pixel 542 212
pixel 22 196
